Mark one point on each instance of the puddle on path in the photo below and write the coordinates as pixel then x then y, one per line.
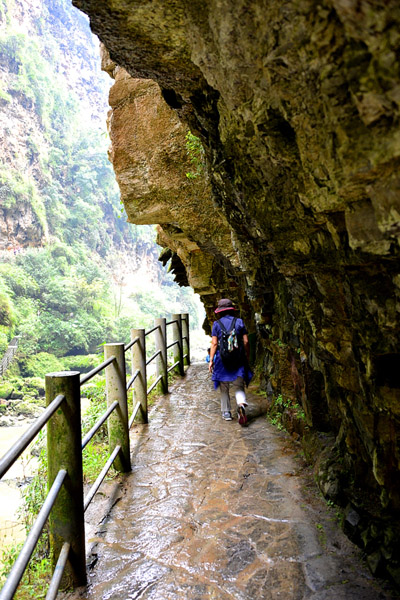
pixel 213 510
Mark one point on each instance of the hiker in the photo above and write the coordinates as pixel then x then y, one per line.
pixel 229 356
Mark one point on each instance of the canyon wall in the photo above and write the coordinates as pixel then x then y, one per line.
pixel 296 212
pixel 47 57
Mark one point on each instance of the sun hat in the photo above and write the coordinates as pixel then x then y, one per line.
pixel 224 304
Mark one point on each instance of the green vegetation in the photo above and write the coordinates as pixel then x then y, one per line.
pixel 69 297
pixel 36 579
pixel 57 307
pixel 74 293
pixel 284 410
pixel 96 452
pixel 38 574
pixel 321 534
pixel 195 151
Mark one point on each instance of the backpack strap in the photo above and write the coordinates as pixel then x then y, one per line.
pixel 222 326
pixel 232 327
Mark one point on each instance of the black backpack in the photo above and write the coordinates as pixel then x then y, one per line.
pixel 230 347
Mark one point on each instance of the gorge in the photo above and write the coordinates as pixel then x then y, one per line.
pixel 294 212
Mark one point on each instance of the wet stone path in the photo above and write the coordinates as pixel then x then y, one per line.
pixel 212 510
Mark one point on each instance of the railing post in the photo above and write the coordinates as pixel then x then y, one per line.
pixel 161 360
pixel 140 383
pixel 178 348
pixel 118 428
pixel 64 450
pixel 186 341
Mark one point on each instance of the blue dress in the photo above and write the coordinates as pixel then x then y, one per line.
pixel 220 373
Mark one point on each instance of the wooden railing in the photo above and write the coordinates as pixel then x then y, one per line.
pixel 65 504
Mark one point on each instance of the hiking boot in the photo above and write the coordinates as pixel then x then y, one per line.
pixel 227 416
pixel 242 416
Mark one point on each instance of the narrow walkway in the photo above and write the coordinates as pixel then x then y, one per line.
pixel 213 510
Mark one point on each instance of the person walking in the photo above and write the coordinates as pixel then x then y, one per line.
pixel 229 356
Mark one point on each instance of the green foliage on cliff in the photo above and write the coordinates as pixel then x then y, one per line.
pixel 68 297
pixel 58 308
pixel 195 151
pixel 66 178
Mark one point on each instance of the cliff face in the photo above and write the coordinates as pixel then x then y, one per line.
pixel 27 131
pixel 150 158
pixel 298 219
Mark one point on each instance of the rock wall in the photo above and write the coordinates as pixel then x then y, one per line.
pixel 297 216
pixel 20 228
pixel 149 152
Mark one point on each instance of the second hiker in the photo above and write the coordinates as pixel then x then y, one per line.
pixel 229 356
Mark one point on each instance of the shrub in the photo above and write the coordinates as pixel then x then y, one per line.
pixel 40 364
pixel 83 363
pixel 3 343
pixel 6 311
pixel 5 389
pixel 33 385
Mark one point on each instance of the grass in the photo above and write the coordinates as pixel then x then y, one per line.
pixel 36 578
pixel 321 534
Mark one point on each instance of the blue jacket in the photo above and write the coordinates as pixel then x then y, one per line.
pixel 220 373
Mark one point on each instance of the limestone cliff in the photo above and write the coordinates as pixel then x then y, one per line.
pixel 298 217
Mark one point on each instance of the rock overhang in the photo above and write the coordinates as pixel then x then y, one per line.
pixel 297 217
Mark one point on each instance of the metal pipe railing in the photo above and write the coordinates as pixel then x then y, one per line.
pixel 96 370
pixel 185 338
pixel 148 361
pixel 172 322
pixel 178 348
pixel 172 367
pixel 154 384
pixel 100 478
pixel 172 344
pixel 151 330
pixel 98 424
pixel 131 343
pixel 132 379
pixel 65 443
pixel 23 559
pixel 135 412
pixel 23 442
pixel 58 572
pixel 138 363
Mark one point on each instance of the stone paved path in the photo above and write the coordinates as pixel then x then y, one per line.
pixel 215 511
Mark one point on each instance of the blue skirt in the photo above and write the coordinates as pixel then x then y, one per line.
pixel 221 373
